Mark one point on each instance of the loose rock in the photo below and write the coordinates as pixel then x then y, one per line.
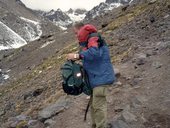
pixel 2 112
pixel 53 109
pixel 119 124
pixel 35 124
pixel 128 117
pixel 117 72
pixel 157 65
pixel 49 122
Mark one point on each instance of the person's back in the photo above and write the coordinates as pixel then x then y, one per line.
pixel 96 62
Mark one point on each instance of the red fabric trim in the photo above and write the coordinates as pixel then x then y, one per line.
pixel 93 42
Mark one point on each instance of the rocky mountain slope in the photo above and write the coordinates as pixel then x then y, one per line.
pixel 139 43
pixel 23 22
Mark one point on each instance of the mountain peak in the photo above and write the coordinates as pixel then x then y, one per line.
pixel 117 1
pixel 70 10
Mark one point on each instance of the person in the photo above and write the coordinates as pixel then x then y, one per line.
pixel 97 63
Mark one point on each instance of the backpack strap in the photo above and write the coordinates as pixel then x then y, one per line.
pixel 87 108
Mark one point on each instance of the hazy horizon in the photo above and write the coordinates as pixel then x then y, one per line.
pixel 55 4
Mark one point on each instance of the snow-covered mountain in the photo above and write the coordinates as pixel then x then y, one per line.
pixel 58 17
pixel 64 19
pixel 9 39
pixel 20 25
pixel 104 7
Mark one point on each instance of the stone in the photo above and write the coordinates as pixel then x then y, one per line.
pixel 117 72
pixel 152 19
pixel 38 91
pixel 118 83
pixel 53 109
pixel 136 102
pixel 104 25
pixel 2 112
pixel 23 121
pixel 119 124
pixel 124 8
pixel 135 81
pixel 49 122
pixel 35 124
pixel 23 117
pixel 128 117
pixel 152 2
pixel 140 59
pixel 157 65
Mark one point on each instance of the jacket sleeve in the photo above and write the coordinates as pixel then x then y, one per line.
pixel 92 52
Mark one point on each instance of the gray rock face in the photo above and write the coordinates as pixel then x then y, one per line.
pixel 58 17
pixel 119 124
pixel 53 109
pixel 23 121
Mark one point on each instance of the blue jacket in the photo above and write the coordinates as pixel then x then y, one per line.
pixel 96 62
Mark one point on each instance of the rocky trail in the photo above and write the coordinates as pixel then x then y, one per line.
pixel 139 42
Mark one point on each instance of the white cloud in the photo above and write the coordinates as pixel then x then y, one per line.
pixel 62 4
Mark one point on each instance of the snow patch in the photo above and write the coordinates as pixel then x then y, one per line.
pixel 30 21
pixel 3 76
pixel 63 28
pixel 76 17
pixel 31 33
pixel 10 38
pixel 47 43
pixel 130 1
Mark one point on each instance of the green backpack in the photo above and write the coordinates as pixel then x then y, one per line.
pixel 75 79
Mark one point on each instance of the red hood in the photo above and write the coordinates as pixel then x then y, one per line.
pixel 85 31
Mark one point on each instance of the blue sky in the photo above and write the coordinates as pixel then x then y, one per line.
pixel 62 4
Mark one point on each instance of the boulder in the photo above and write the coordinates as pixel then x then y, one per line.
pixel 35 124
pixel 53 109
